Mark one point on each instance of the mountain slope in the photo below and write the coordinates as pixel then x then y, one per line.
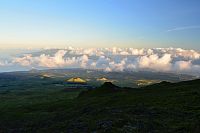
pixel 163 107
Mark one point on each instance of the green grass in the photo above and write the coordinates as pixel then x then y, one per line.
pixel 163 107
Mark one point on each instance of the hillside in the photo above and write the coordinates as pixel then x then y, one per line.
pixel 162 107
pixel 97 77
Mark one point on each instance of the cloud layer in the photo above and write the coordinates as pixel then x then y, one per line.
pixel 113 59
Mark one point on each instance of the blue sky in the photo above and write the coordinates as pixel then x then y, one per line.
pixel 100 23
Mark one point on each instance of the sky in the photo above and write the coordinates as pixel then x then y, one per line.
pixel 100 23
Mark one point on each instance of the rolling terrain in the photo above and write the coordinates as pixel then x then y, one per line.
pixel 30 105
pixel 94 77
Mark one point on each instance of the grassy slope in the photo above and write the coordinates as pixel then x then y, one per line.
pixel 163 107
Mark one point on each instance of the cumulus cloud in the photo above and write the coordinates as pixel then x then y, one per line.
pixel 154 62
pixel 117 66
pixel 102 62
pixel 183 65
pixel 43 60
pixel 115 59
pixel 1 63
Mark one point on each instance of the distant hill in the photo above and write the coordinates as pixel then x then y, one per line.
pixel 97 77
pixel 102 79
pixel 76 80
pixel 109 85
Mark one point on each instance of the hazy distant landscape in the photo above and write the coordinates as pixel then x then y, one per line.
pixel 43 101
pixel 110 90
pixel 99 66
pixel 95 77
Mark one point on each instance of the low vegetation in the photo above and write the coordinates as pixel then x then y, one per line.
pixel 42 106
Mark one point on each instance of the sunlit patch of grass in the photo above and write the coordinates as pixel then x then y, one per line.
pixel 145 82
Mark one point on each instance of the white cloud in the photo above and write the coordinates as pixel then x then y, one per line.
pixel 102 62
pixel 117 66
pixel 184 28
pixel 26 60
pixel 84 60
pixel 137 51
pixel 183 65
pixel 115 59
pixel 154 62
pixel 124 53
pixel 1 63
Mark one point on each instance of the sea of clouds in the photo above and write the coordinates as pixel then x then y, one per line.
pixel 110 59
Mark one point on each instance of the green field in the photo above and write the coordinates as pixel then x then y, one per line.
pixel 41 106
